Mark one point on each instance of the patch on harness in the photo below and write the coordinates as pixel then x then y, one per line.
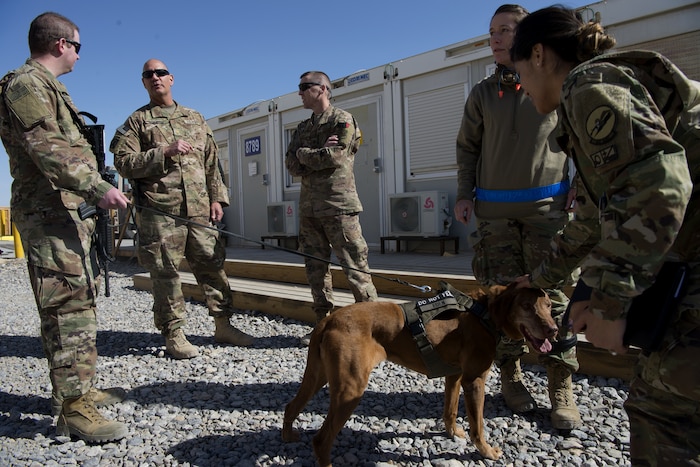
pixel 433 306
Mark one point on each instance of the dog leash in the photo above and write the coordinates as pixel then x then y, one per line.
pixel 132 206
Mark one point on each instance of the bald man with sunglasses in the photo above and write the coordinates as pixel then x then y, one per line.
pixel 169 154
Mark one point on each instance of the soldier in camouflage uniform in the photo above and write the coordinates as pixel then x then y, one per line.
pixel 322 153
pixel 168 153
pixel 631 122
pixel 514 178
pixel 55 171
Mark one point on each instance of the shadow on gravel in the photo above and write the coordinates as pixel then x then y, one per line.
pixel 15 405
pixel 200 395
pixel 119 343
pixel 264 445
pixel 277 342
pixel 21 346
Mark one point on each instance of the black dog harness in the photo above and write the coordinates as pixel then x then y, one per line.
pixel 418 314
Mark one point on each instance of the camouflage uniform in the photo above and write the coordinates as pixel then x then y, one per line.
pixel 329 206
pixel 624 118
pixel 502 134
pixel 54 171
pixel 184 186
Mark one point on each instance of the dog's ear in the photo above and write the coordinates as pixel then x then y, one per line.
pixel 496 290
pixel 501 300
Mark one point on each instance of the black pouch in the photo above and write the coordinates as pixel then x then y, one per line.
pixel 651 311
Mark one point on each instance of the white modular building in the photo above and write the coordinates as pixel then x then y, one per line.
pixel 409 111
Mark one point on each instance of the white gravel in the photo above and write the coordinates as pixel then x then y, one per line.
pixel 226 406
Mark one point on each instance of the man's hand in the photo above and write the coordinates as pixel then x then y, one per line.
pixel 600 332
pixel 178 147
pixel 331 141
pixel 217 212
pixel 463 210
pixel 113 199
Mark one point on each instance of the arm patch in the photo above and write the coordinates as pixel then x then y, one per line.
pixel 25 105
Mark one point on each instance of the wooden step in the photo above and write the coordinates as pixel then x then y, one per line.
pixel 386 282
pixel 280 289
pixel 276 298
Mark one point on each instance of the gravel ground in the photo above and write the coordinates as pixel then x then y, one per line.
pixel 226 406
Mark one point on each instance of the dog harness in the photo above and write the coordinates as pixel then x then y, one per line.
pixel 418 314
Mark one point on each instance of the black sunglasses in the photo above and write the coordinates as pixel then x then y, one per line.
pixel 159 73
pixel 75 44
pixel 304 86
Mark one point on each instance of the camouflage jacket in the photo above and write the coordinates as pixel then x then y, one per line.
pixel 327 174
pixel 630 121
pixel 51 162
pixel 186 184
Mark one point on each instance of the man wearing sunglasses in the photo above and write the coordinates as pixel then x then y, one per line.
pixel 55 171
pixel 322 152
pixel 168 153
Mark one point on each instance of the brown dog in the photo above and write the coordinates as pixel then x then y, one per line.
pixel 347 345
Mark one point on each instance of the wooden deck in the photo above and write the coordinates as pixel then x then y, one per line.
pixel 273 281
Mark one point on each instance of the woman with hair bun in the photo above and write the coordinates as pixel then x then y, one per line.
pixel 631 123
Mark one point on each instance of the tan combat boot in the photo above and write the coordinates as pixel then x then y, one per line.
pixel 101 398
pixel 565 414
pixel 306 339
pixel 177 345
pixel 517 397
pixel 80 418
pixel 226 333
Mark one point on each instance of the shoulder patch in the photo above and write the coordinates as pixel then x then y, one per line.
pixel 604 156
pixel 600 124
pixel 25 105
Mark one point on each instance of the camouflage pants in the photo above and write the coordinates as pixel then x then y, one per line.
pixel 505 249
pixel 64 281
pixel 663 404
pixel 343 236
pixel 163 243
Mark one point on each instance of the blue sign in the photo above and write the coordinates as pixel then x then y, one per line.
pixel 252 146
pixel 358 78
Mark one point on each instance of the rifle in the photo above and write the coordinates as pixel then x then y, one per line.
pixel 102 238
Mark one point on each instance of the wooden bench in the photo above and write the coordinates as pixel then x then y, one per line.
pixel 398 239
pixel 279 239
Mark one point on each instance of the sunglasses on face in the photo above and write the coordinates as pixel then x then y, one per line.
pixel 304 86
pixel 159 73
pixel 75 44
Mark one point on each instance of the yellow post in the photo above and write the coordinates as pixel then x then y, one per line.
pixel 19 251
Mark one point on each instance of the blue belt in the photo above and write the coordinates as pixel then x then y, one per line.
pixel 528 194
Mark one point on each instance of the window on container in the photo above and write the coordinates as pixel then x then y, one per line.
pixel 432 122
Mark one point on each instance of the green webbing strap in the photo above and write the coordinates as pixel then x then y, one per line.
pixel 418 314
pixel 436 366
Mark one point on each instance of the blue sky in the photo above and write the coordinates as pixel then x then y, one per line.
pixel 225 54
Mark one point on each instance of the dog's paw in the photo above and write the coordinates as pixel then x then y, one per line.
pixel 456 431
pixel 490 452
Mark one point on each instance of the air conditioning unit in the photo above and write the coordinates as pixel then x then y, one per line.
pixel 282 218
pixel 420 213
